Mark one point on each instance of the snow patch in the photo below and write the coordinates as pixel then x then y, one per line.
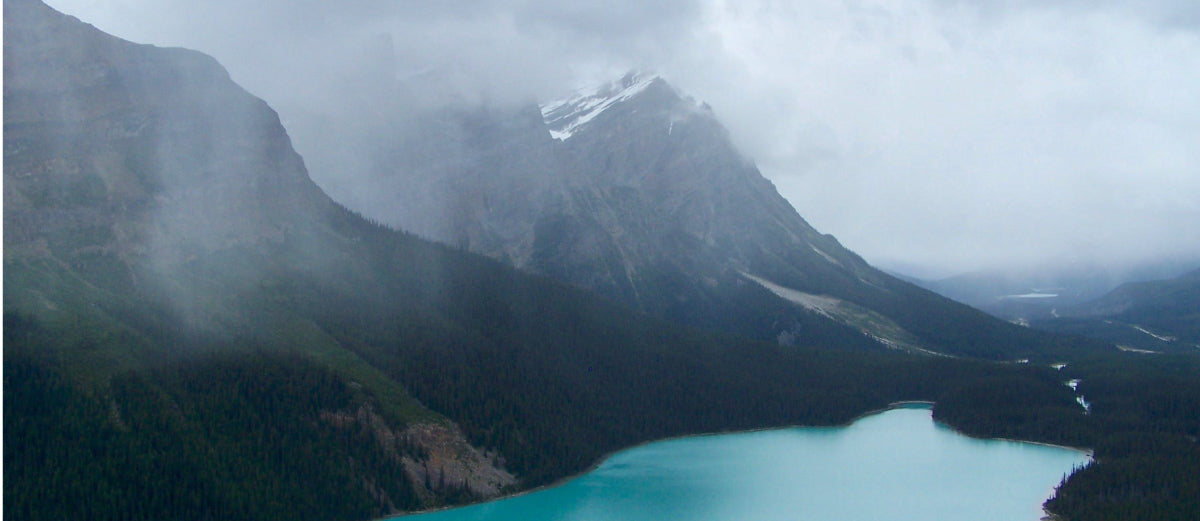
pixel 565 117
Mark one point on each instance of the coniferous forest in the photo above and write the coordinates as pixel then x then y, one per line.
pixel 192 330
pixel 229 427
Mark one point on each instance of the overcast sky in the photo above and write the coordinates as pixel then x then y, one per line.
pixel 932 136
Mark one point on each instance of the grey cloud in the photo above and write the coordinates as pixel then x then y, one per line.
pixel 947 133
pixel 512 48
pixel 1171 14
pixel 611 21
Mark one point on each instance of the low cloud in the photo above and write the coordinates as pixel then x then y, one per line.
pixel 944 134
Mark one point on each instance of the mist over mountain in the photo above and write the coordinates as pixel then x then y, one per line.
pixel 137 160
pixel 192 329
pixel 1149 316
pixel 1042 292
pixel 933 138
pixel 637 192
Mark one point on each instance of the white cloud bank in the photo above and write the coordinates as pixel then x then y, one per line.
pixel 935 134
pixel 950 137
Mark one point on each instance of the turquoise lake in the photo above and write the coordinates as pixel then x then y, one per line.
pixel 896 465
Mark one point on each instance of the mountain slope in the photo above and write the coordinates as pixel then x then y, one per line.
pixel 1024 295
pixel 272 355
pixel 637 193
pixel 192 329
pixel 1155 315
pixel 154 214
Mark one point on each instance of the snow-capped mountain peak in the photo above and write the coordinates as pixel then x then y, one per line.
pixel 564 117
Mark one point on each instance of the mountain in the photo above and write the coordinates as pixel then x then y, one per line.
pixel 122 155
pixel 1152 313
pixel 155 215
pixel 1160 315
pixel 1025 295
pixel 192 328
pixel 636 192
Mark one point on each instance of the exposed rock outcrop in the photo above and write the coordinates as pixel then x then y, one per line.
pixel 450 461
pixel 437 458
pixel 137 151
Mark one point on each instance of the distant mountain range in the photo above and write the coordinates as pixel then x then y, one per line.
pixel 1160 315
pixel 1032 293
pixel 1154 315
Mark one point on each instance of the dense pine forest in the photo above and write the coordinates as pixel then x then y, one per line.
pixel 192 330
pixel 221 438
pixel 242 430
pixel 118 407
pixel 1143 425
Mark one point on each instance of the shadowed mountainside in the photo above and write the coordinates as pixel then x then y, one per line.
pixel 637 193
pixel 1161 315
pixel 193 330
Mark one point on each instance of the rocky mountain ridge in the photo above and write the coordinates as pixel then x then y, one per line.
pixel 636 192
pixel 565 116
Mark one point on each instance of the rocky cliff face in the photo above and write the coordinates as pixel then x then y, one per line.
pixel 140 174
pixel 631 190
pixel 636 192
pixel 134 149
pixel 677 161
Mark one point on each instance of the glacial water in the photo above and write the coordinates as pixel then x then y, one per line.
pixel 897 465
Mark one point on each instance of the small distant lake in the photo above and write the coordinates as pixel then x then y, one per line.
pixel 896 465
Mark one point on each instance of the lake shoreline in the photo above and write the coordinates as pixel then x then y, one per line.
pixel 904 404
pixel 605 457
